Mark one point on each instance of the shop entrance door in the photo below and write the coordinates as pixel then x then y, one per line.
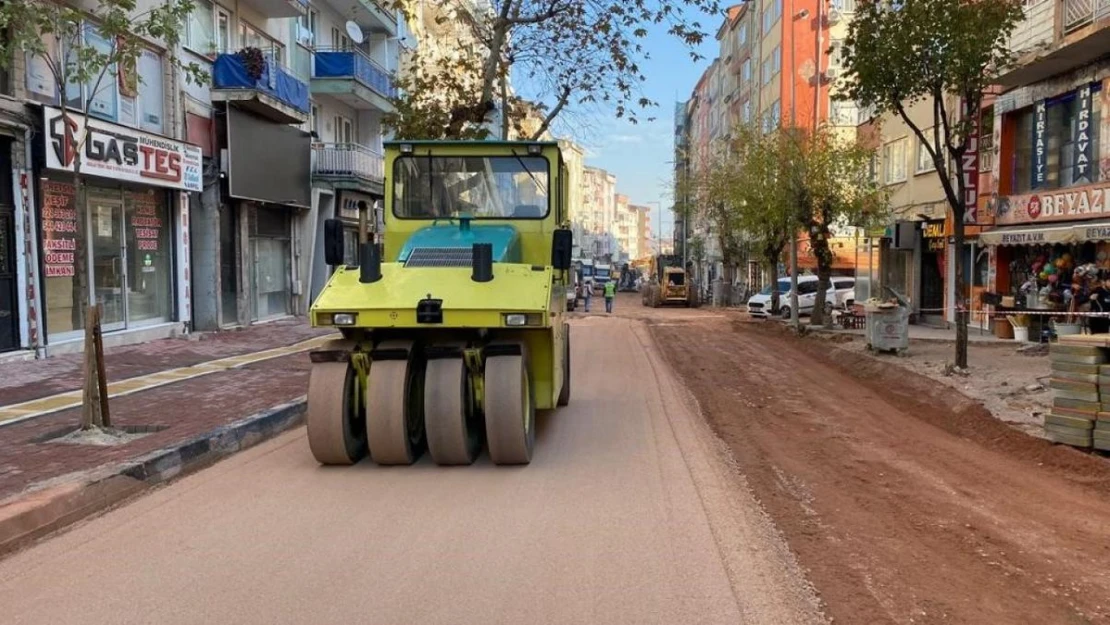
pixel 109 261
pixel 9 308
pixel 9 326
pixel 932 284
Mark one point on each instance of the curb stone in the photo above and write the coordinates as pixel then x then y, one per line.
pixel 58 503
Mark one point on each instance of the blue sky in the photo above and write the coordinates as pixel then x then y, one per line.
pixel 639 154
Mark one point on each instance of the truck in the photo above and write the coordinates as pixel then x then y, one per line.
pixel 669 284
pixel 452 332
pixel 602 275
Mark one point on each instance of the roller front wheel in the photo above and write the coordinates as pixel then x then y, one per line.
pixel 510 409
pixel 394 411
pixel 454 433
pixel 336 427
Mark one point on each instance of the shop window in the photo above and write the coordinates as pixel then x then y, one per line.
pixel 64 267
pixel 1061 132
pixel 271 263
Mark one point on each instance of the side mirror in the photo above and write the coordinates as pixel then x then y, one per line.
pixel 333 242
pixel 562 246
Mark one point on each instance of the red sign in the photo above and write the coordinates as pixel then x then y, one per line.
pixel 1034 208
pixel 1068 204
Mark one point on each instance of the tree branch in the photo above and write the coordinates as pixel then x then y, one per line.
pixel 564 97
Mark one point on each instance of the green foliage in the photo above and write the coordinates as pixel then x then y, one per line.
pixel 942 52
pixel 572 53
pixel 56 34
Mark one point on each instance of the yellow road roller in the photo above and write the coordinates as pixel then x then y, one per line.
pixel 452 318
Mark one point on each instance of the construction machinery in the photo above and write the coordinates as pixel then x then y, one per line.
pixel 453 331
pixel 669 284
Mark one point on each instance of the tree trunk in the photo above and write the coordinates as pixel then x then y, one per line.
pixel 820 244
pixel 91 406
pixel 772 256
pixel 961 303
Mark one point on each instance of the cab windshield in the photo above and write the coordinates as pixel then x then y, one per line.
pixel 491 187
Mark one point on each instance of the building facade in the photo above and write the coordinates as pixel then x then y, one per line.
pixel 200 204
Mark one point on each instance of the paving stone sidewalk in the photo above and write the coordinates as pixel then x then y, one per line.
pixel 27 380
pixel 178 411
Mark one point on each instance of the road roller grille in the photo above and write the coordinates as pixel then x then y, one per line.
pixel 440 257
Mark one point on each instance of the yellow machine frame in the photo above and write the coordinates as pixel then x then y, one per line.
pixel 392 306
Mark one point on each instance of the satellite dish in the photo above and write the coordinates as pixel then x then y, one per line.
pixel 354 32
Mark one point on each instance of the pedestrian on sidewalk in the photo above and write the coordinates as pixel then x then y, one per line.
pixel 589 294
pixel 610 292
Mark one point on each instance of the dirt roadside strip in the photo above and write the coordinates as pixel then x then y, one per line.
pixel 904 500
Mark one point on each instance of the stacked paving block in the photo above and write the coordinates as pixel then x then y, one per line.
pixel 1101 434
pixel 1080 379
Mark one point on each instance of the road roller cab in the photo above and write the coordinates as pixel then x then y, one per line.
pixel 452 321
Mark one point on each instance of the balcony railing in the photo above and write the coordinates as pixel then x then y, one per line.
pixel 347 160
pixel 356 65
pixel 1079 13
pixel 229 72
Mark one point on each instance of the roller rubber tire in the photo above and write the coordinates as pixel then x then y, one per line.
pixel 564 394
pixel 394 419
pixel 454 435
pixel 510 410
pixel 336 430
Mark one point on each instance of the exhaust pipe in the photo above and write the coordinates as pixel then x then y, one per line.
pixel 370 269
pixel 482 262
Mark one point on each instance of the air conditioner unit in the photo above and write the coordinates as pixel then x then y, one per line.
pixel 832 73
pixel 833 16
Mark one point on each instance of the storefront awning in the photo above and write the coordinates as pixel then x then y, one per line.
pixel 1029 236
pixel 1094 232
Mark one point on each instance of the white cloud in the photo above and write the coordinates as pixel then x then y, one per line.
pixel 625 139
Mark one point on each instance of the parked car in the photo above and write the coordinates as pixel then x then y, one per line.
pixel 574 291
pixel 841 294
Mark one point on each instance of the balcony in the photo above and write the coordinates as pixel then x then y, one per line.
pixel 1045 50
pixel 1079 13
pixel 276 94
pixel 279 8
pixel 352 77
pixel 348 166
pixel 372 15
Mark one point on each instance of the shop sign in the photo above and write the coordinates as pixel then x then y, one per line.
pixel 970 171
pixel 1082 144
pixel 59 229
pixel 933 233
pixel 1040 146
pixel 120 153
pixel 1064 205
pixel 1093 233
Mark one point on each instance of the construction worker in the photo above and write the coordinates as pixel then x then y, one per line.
pixel 610 292
pixel 589 293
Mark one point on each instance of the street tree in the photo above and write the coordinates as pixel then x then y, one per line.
pixel 830 180
pixel 89 50
pixel 946 53
pixel 570 52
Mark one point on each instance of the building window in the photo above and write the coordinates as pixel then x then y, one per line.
pixel 746 116
pixel 746 71
pixel 199 29
pixel 843 113
pixel 223 31
pixel 776 60
pixel 776 114
pixel 251 37
pixel 771 15
pixel 924 161
pixel 1061 167
pixel 766 71
pixel 894 161
pixel 742 34
pixel 844 6
pixel 307 28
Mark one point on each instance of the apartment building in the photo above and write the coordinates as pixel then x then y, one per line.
pixel 599 212
pixel 641 216
pixel 224 228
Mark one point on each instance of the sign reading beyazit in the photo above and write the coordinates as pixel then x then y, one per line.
pixel 1075 203
pixel 120 153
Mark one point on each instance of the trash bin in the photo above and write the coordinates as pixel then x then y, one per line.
pixel 888 328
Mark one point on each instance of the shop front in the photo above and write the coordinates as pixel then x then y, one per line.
pixel 932 270
pixel 1050 250
pixel 122 245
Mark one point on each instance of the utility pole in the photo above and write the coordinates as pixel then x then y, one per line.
pixel 794 319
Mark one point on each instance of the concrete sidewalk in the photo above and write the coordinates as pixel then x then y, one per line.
pixel 231 400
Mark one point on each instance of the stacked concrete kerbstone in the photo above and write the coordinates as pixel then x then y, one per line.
pixel 1101 434
pixel 1080 379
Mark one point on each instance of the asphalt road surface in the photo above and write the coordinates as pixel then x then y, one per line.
pixel 629 513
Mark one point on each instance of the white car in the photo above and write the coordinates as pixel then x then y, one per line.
pixel 839 295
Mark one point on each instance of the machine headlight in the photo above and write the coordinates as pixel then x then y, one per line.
pixel 343 319
pixel 516 319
